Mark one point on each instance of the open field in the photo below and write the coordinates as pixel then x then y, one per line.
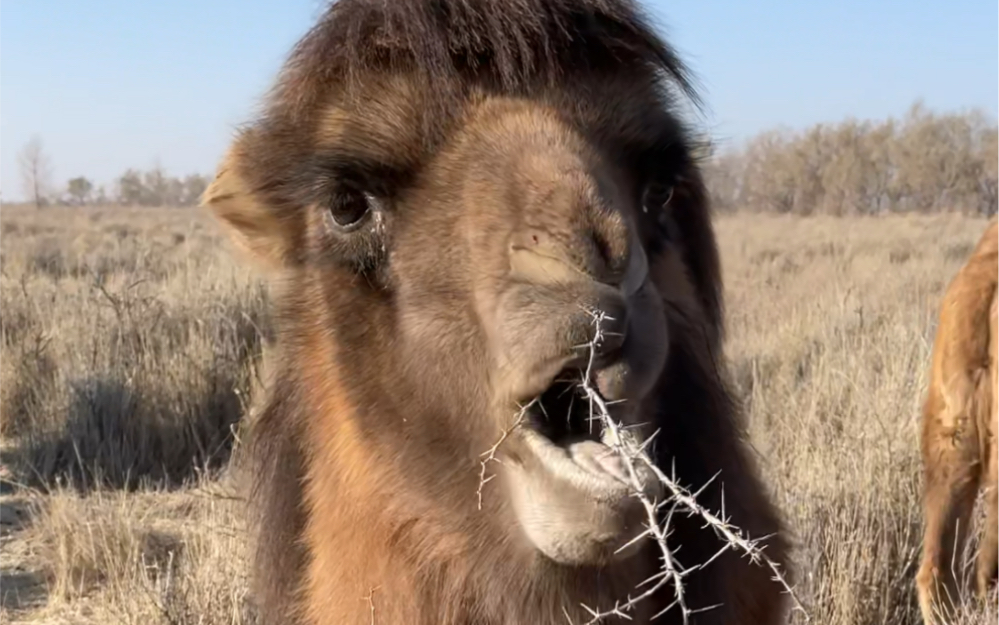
pixel 130 340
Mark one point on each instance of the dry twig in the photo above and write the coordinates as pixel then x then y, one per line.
pixel 370 598
pixel 490 454
pixel 679 498
pixel 633 451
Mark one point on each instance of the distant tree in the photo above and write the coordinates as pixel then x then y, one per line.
pixel 79 190
pixel 131 190
pixel 923 162
pixel 988 194
pixel 157 188
pixel 155 184
pixel 194 187
pixel 173 192
pixel 36 171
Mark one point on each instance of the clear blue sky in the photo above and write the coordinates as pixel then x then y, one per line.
pixel 111 84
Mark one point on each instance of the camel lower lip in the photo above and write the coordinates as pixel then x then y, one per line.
pixel 590 466
pixel 569 439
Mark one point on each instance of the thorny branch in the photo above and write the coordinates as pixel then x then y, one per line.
pixel 490 454
pixel 634 454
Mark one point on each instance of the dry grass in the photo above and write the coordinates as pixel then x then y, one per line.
pixel 830 331
pixel 127 341
pixel 133 558
pixel 128 351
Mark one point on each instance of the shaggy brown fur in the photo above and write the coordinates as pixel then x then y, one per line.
pixel 439 187
pixel 960 423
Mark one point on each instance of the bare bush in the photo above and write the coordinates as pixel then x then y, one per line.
pixel 926 162
pixel 36 171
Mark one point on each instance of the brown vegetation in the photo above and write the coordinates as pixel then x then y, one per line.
pixel 960 426
pixel 446 199
pixel 128 352
pixel 150 386
pixel 826 354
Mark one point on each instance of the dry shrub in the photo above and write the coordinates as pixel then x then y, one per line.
pixel 925 162
pixel 130 357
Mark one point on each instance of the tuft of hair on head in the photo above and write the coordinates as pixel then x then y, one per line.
pixel 512 45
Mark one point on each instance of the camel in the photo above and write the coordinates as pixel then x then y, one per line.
pixel 444 196
pixel 959 424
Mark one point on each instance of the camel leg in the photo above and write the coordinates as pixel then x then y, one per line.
pixel 952 475
pixel 987 567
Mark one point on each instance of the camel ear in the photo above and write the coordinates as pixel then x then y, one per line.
pixel 254 229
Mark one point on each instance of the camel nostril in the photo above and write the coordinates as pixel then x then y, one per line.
pixel 609 261
pixel 602 249
pixel 610 319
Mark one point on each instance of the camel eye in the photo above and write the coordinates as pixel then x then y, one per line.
pixel 655 203
pixel 348 209
pixel 656 197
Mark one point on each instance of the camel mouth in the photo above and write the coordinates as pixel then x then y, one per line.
pixel 564 414
pixel 565 431
pixel 576 493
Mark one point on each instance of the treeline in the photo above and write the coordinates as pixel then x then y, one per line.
pixel 133 188
pixel 136 188
pixel 925 162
